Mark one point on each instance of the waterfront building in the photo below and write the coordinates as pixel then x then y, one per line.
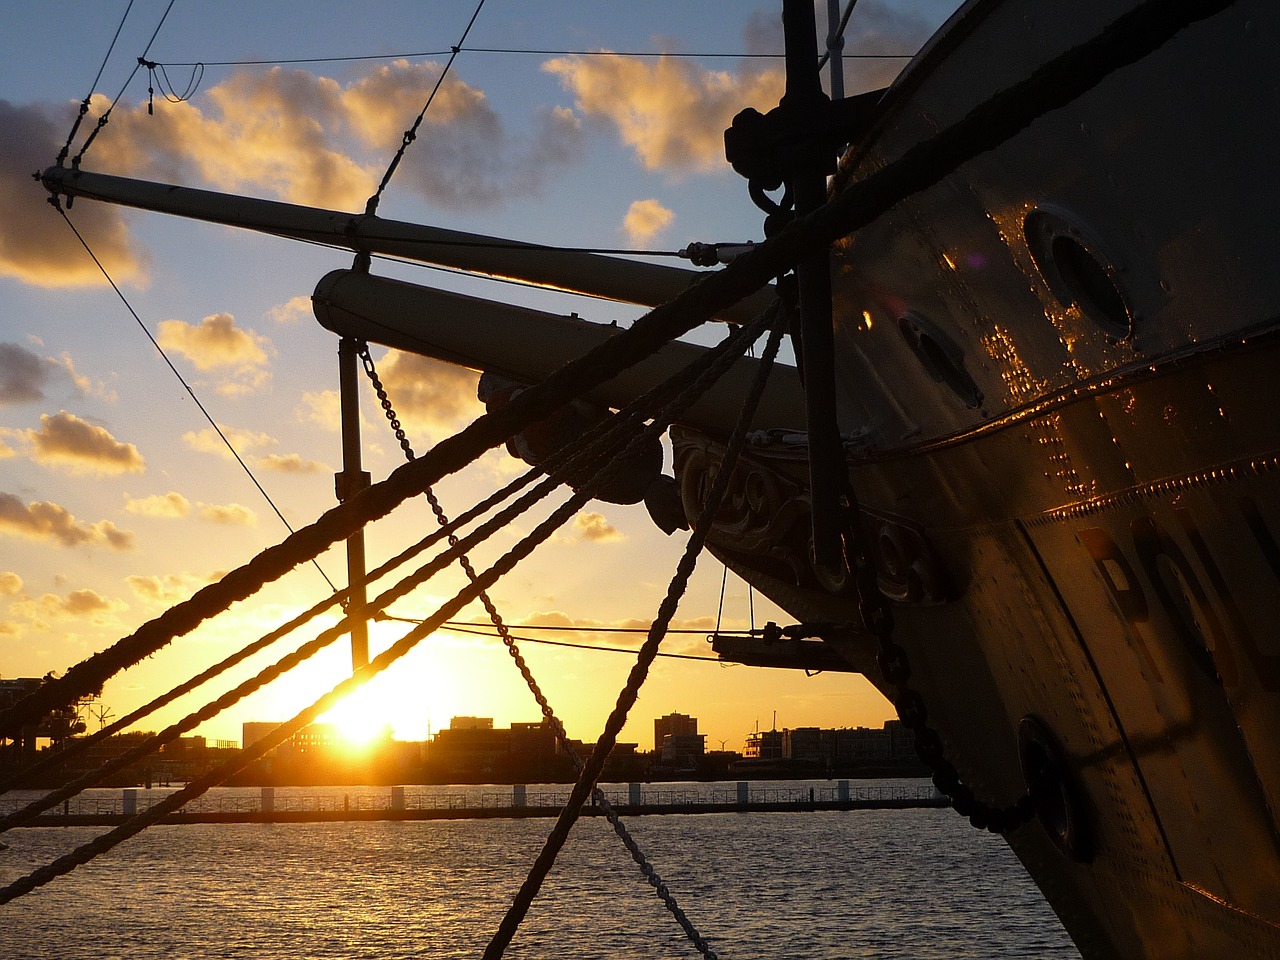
pixel 673 724
pixel 764 745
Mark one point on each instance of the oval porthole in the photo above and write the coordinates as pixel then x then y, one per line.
pixel 1077 271
pixel 940 357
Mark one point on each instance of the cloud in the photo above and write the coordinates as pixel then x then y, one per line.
pixel 292 463
pixel 232 514
pixel 79 603
pixel 673 113
pixel 214 342
pixel 311 140
pixel 84 604
pixel 645 219
pixel 293 310
pixel 43 520
pixel 168 589
pixel 321 407
pixel 463 157
pixel 262 132
pixel 65 440
pixel 10 583
pixel 208 441
pixel 23 374
pixel 430 396
pixel 595 527
pixel 35 245
pixel 25 377
pixel 164 505
pixel 84 385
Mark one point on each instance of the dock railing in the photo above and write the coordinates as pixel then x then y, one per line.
pixel 405 801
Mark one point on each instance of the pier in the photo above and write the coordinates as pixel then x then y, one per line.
pixel 514 802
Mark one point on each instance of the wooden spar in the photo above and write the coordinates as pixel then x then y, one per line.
pixel 593 275
pixel 530 345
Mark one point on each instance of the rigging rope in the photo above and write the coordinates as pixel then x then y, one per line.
pixel 77 746
pixel 626 698
pixel 371 207
pixel 84 104
pixel 743 338
pixel 183 380
pixel 102 120
pixel 601 443
pixel 1127 40
pixel 601 449
pixel 836 41
pixel 594 648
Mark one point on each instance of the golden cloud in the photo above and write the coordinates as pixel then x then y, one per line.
pixel 430 396
pixel 208 441
pixel 65 440
pixel 671 112
pixel 595 527
pixel 308 139
pixel 43 520
pixel 645 219
pixel 214 342
pixel 168 589
pixel 230 513
pixel 292 463
pixel 321 407
pixel 292 310
pixel 164 505
pixel 10 583
pixel 36 247
pixel 264 132
pixel 82 604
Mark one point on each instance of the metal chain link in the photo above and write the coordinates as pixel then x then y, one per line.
pixel 562 737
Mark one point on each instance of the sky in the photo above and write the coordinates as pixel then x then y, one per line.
pixel 117 499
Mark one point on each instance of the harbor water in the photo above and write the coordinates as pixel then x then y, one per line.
pixel 887 884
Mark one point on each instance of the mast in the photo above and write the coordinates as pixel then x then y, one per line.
pixel 350 482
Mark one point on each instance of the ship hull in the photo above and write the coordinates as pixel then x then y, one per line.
pixel 1059 365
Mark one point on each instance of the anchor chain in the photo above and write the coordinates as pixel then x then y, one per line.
pixel 562 737
pixel 895 667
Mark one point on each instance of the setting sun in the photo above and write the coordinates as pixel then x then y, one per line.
pixel 360 719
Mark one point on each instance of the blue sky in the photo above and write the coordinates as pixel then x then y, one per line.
pixel 113 501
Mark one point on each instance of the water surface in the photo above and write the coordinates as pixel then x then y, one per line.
pixel 878 884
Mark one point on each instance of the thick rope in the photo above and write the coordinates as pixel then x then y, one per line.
pixel 77 746
pixel 600 446
pixel 284 731
pixel 741 340
pixel 1056 84
pixel 591 771
pixel 101 844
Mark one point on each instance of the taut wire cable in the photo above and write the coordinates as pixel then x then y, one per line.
pixel 371 207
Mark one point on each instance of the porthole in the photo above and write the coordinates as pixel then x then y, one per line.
pixel 1078 271
pixel 940 357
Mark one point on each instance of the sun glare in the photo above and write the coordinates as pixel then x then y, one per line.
pixel 360 719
